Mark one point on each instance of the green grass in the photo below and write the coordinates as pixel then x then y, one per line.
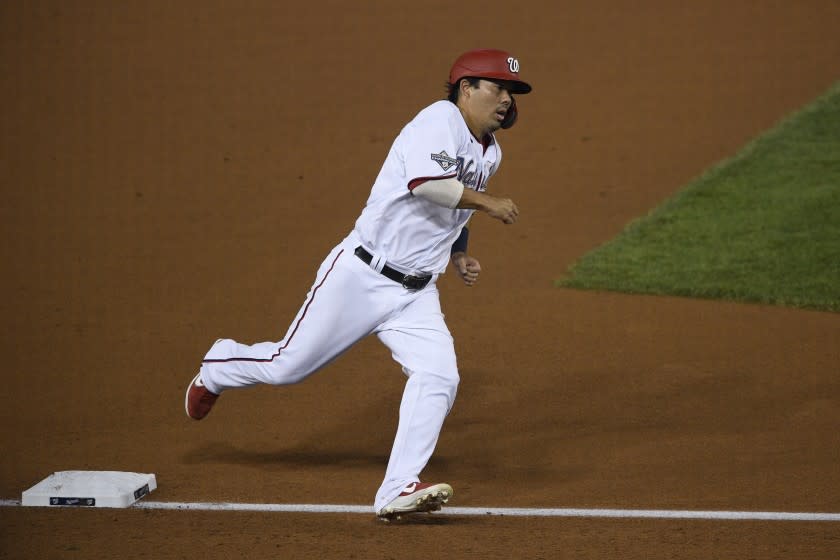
pixel 763 226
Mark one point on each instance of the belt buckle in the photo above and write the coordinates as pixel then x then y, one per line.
pixel 411 282
pixel 408 282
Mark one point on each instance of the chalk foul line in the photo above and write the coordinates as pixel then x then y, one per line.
pixel 497 511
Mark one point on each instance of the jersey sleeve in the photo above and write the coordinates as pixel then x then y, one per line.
pixel 430 151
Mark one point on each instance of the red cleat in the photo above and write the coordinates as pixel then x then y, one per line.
pixel 199 400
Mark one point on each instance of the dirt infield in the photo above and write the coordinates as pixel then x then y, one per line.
pixel 173 174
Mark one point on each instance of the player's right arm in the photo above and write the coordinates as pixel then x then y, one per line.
pixel 500 208
pixel 451 193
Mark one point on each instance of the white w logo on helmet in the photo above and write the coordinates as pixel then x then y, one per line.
pixel 513 64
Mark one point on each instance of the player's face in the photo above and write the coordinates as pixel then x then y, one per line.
pixel 486 106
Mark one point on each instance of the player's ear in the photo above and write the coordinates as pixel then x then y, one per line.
pixel 465 87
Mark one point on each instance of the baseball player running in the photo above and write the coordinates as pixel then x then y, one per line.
pixel 381 279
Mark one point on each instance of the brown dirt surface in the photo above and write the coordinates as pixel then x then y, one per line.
pixel 174 172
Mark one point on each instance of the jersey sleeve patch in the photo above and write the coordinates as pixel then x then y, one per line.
pixel 444 160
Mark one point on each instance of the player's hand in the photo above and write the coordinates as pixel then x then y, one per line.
pixel 467 267
pixel 503 209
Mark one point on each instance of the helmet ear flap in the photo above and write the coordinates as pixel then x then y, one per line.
pixel 510 116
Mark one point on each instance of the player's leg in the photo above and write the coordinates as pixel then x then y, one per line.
pixel 420 341
pixel 339 310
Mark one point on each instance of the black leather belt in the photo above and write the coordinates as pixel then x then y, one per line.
pixel 408 281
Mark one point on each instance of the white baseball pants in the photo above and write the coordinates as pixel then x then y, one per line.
pixel 348 301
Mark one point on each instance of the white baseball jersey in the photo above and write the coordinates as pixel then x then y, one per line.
pixel 411 232
pixel 351 299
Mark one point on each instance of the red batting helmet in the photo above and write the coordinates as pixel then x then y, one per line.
pixel 492 64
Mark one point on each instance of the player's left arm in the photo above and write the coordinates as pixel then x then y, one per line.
pixel 466 266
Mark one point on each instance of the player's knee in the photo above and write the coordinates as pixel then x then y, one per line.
pixel 453 379
pixel 445 382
